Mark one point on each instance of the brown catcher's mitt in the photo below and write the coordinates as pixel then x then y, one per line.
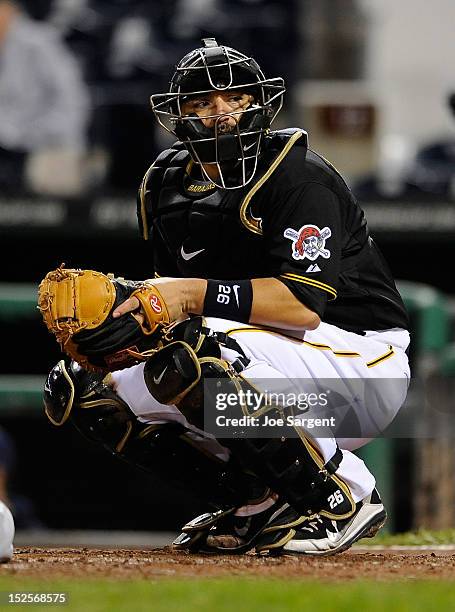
pixel 77 308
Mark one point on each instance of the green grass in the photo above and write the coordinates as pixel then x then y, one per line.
pixel 239 595
pixel 412 538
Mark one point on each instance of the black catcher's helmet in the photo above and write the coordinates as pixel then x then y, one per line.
pixel 218 68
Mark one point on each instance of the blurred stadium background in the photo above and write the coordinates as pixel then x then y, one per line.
pixel 373 83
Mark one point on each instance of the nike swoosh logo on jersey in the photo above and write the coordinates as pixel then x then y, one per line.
pixel 158 379
pixel 236 293
pixel 188 256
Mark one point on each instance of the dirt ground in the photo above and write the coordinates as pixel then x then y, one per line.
pixel 159 563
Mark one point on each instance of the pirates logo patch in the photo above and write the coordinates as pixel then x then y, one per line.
pixel 309 242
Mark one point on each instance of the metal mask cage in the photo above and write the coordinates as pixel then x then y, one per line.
pixel 249 138
pixel 199 73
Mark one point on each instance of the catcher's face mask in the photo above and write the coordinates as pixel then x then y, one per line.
pixel 205 72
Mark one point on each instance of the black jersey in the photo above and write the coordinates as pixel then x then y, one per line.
pixel 298 222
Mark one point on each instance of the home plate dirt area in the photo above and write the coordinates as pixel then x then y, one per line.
pixel 155 563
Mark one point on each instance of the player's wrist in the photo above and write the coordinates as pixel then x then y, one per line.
pixel 231 300
pixel 194 291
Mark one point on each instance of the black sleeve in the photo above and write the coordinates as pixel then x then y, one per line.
pixel 303 234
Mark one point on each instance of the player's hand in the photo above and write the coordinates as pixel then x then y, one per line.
pixel 130 305
pixel 182 296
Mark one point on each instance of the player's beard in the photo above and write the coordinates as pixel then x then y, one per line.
pixel 225 128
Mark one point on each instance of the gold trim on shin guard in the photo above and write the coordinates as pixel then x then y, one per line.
pixel 294 470
pixel 326 474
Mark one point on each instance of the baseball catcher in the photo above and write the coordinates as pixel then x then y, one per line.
pixel 265 269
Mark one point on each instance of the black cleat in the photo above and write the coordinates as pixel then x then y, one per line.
pixel 232 534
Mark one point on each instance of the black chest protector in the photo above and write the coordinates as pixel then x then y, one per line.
pixel 196 229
